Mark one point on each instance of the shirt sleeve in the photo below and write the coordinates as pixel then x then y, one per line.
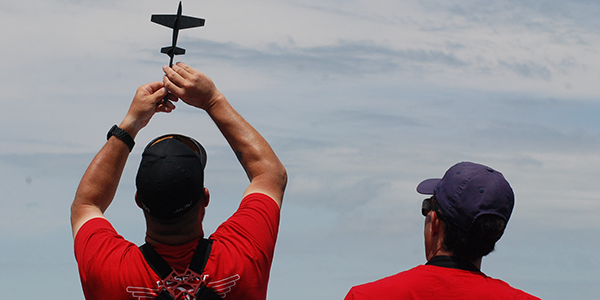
pixel 350 295
pixel 90 240
pixel 99 250
pixel 255 224
pixel 245 245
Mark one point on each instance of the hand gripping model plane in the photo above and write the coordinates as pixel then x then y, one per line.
pixel 176 22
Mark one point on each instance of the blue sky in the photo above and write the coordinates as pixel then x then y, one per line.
pixel 360 99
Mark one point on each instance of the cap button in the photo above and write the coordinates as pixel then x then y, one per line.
pixel 490 169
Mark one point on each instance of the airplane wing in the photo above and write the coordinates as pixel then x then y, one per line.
pixel 184 21
pixel 190 22
pixel 165 20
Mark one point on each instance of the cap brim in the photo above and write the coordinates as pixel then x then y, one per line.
pixel 427 186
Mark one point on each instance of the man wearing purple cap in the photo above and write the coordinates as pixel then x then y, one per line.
pixel 177 261
pixel 464 218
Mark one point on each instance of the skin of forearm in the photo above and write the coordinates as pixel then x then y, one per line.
pixel 252 150
pixel 101 179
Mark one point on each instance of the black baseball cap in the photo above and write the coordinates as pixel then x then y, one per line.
pixel 469 190
pixel 170 179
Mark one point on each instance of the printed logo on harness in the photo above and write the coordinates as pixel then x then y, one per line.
pixel 184 286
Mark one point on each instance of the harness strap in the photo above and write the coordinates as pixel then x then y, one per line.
pixel 201 256
pixel 156 262
pixel 163 269
pixel 206 293
pixel 164 295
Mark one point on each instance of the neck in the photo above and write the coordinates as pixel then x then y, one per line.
pixel 476 262
pixel 172 239
pixel 182 230
pixel 439 251
pixel 176 233
pixel 453 262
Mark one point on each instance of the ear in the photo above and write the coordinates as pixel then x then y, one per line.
pixel 206 197
pixel 437 225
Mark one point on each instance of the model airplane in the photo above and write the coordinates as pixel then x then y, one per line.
pixel 176 22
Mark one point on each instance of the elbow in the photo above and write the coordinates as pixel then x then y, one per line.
pixel 283 176
pixel 277 174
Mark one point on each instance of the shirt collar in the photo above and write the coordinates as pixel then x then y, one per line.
pixel 453 263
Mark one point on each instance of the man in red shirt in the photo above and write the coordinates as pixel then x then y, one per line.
pixel 171 192
pixel 464 218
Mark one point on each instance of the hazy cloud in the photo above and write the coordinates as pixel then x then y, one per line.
pixel 361 100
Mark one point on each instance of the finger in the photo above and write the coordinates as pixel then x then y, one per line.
pixel 172 97
pixel 167 108
pixel 182 69
pixel 154 86
pixel 171 87
pixel 188 69
pixel 173 76
pixel 184 66
pixel 150 88
pixel 159 94
pixel 162 108
pixel 170 105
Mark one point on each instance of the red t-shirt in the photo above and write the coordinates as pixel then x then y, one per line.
pixel 433 282
pixel 113 268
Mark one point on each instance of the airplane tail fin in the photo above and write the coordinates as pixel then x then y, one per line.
pixel 169 50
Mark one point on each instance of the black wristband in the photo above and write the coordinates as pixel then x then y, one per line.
pixel 122 135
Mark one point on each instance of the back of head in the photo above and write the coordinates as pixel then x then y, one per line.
pixel 479 241
pixel 170 179
pixel 475 202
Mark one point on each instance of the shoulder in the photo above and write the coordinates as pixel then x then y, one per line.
pixel 108 263
pixel 259 197
pixel 260 203
pixel 93 226
pixel 384 287
pixel 502 287
pixel 243 248
pixel 255 209
pixel 256 219
pixel 97 235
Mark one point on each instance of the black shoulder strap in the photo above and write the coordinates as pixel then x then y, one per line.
pixel 197 265
pixel 201 255
pixel 163 269
pixel 206 293
pixel 156 262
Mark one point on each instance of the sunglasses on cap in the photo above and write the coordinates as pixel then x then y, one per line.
pixel 429 206
pixel 188 141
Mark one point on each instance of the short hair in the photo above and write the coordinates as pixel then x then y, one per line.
pixel 479 241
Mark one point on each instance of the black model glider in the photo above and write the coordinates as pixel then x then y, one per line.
pixel 176 22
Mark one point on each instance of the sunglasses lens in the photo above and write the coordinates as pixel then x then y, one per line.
pixel 191 144
pixel 425 208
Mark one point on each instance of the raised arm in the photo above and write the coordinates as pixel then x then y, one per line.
pixel 266 173
pixel 101 179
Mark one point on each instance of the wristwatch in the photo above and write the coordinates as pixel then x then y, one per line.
pixel 122 135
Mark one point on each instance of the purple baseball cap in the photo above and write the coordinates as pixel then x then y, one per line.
pixel 469 190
